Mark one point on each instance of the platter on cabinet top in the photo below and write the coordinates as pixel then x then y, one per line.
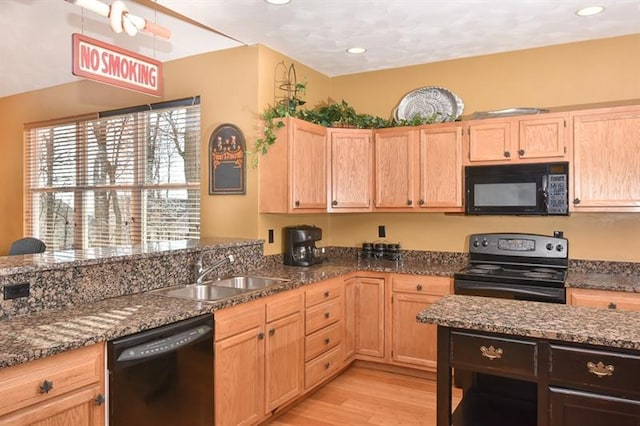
pixel 426 102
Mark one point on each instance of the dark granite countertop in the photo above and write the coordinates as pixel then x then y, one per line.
pixel 602 327
pixel 604 281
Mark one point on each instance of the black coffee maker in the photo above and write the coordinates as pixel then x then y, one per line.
pixel 300 245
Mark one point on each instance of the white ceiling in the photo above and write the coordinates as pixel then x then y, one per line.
pixel 35 35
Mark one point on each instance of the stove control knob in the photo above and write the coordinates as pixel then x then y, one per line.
pixel 559 247
pixel 549 246
pixel 485 243
pixel 476 243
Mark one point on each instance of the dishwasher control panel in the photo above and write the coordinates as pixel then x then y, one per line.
pixel 163 345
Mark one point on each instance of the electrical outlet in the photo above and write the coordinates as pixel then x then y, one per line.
pixel 15 291
pixel 270 236
pixel 382 232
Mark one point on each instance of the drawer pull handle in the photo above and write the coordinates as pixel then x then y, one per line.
pixel 327 365
pixel 326 340
pixel 419 287
pixel 99 400
pixel 491 353
pixel 327 315
pixel 326 294
pixel 46 386
pixel 600 369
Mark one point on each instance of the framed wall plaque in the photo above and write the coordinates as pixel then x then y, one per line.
pixel 227 161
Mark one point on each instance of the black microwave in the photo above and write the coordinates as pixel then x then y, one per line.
pixel 517 189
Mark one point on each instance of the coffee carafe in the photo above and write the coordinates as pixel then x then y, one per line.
pixel 300 245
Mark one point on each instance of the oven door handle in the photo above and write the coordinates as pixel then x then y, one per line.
pixel 526 293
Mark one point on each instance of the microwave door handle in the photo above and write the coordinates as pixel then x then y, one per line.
pixel 545 194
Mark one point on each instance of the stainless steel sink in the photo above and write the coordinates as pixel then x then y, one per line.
pixel 203 292
pixel 245 282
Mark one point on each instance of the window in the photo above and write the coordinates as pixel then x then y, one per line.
pixel 115 178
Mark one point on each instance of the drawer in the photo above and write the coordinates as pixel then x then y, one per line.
pixel 594 369
pixel 284 304
pixel 322 315
pixel 322 367
pixel 237 319
pixel 322 340
pixel 603 299
pixel 323 291
pixel 439 286
pixel 20 386
pixel 500 356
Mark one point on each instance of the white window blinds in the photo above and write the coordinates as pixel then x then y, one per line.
pixel 119 178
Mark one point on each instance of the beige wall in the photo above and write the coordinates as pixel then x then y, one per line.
pixel 236 84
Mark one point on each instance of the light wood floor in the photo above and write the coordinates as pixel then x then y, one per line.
pixel 361 396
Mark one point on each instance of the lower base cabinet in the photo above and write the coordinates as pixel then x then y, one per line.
pixel 576 408
pixel 61 390
pixel 258 358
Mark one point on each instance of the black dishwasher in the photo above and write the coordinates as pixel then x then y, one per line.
pixel 163 376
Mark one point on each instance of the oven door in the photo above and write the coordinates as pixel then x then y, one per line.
pixel 509 291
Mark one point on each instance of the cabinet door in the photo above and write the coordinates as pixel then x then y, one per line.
pixel 351 159
pixel 394 168
pixel 239 378
pixel 75 408
pixel 284 362
pixel 441 168
pixel 543 137
pixel 369 317
pixel 308 165
pixel 349 338
pixel 575 408
pixel 491 141
pixel 413 342
pixel 606 165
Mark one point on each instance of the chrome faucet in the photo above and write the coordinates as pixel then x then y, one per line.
pixel 202 272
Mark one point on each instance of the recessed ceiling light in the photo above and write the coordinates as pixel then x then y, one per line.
pixel 589 11
pixel 356 50
pixel 278 1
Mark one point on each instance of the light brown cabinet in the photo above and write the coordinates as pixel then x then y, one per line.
pixel 259 358
pixel 293 174
pixel 365 317
pixel 351 170
pixel 440 167
pixel 324 304
pixel 524 139
pixel 603 299
pixel 606 164
pixel 61 390
pixel 395 153
pixel 414 344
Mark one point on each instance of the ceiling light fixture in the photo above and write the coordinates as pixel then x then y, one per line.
pixel 278 2
pixel 589 11
pixel 356 50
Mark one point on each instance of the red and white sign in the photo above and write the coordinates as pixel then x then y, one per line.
pixel 103 62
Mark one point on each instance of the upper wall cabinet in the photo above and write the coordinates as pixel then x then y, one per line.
pixel 395 169
pixel 440 168
pixel 532 138
pixel 606 164
pixel 293 174
pixel 351 170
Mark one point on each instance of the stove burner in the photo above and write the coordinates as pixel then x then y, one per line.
pixel 535 274
pixel 488 267
pixel 478 271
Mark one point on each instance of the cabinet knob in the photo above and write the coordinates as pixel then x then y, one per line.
pixel 327 315
pixel 419 287
pixel 46 386
pixel 260 336
pixel 600 369
pixel 576 201
pixel 421 202
pixel 507 154
pixel 334 203
pixel 326 294
pixel 272 332
pixel 326 340
pixel 297 203
pixel 98 400
pixel 612 306
pixel 491 353
pixel 521 152
pixel 327 365
pixel 409 202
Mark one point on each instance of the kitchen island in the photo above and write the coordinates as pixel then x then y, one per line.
pixel 536 363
